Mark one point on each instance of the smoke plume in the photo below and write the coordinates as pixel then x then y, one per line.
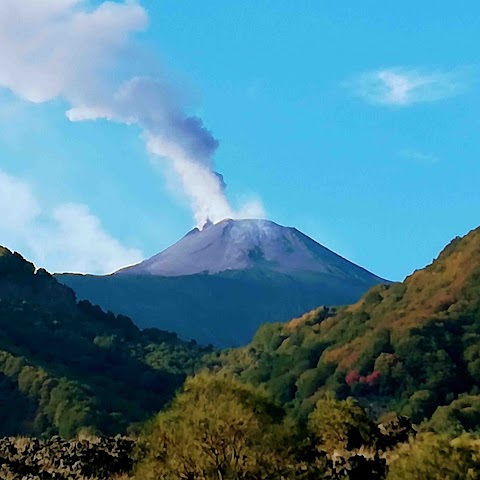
pixel 72 50
pixel 169 133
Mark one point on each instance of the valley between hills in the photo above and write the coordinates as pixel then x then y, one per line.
pixel 368 390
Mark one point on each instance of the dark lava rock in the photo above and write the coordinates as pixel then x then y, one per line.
pixel 98 458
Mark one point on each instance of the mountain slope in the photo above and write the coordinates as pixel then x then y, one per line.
pixel 220 284
pixel 409 346
pixel 66 365
pixel 248 244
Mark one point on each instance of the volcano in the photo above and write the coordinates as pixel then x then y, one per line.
pixel 218 284
pixel 244 245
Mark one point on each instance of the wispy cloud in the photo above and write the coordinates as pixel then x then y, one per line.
pixel 66 238
pixel 402 86
pixel 421 157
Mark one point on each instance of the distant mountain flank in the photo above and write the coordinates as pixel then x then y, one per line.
pixel 219 284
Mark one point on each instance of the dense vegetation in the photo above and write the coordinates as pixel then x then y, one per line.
pixel 219 428
pixel 65 365
pixel 387 388
pixel 411 347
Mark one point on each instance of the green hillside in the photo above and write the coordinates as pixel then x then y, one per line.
pixel 66 365
pixel 408 347
pixel 412 348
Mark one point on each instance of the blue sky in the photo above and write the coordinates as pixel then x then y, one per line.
pixel 354 123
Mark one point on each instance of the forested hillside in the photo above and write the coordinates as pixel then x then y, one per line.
pixel 65 365
pixel 409 347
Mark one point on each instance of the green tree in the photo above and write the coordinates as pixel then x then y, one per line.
pixel 341 425
pixel 217 428
pixel 461 415
pixel 420 405
pixel 437 457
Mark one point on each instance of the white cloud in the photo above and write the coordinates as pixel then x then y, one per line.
pixel 421 157
pixel 18 205
pixel 61 48
pixel 251 208
pixel 68 238
pixel 76 241
pixel 402 86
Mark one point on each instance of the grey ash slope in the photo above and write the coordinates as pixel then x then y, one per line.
pixel 247 244
pixel 220 284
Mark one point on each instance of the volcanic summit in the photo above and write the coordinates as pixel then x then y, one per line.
pixel 248 244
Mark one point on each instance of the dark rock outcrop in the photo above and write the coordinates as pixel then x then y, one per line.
pixel 98 458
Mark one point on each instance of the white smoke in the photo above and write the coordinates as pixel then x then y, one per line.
pixel 204 189
pixel 169 134
pixel 72 50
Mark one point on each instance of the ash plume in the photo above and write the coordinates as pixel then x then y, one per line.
pixel 71 49
pixel 169 133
